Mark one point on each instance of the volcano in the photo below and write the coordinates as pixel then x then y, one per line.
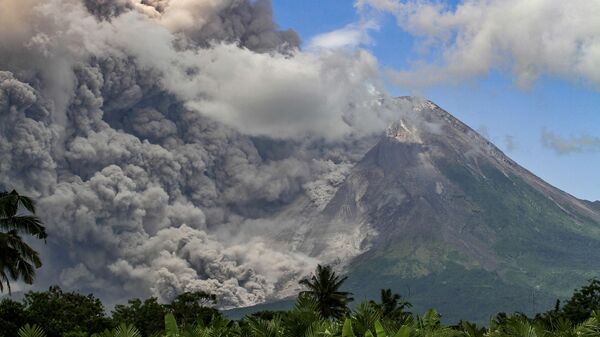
pixel 450 222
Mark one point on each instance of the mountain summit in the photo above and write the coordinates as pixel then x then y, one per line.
pixel 457 225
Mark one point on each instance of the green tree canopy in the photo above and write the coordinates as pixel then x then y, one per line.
pixel 392 306
pixel 190 308
pixel 583 303
pixel 324 286
pixel 59 313
pixel 12 317
pixel 147 316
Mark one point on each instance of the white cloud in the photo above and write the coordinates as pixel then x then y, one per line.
pixel 528 38
pixel 350 36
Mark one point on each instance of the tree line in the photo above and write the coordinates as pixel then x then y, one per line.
pixel 322 309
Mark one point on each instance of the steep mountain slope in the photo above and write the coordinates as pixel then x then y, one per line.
pixel 455 224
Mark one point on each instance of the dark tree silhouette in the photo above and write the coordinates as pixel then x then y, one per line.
pixel 324 287
pixel 191 308
pixel 147 316
pixel 583 302
pixel 63 314
pixel 17 258
pixel 12 317
pixel 392 306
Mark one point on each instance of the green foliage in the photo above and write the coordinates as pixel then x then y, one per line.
pixel 379 330
pixel 59 313
pixel 126 331
pixel 190 308
pixel 591 327
pixel 301 319
pixel 262 328
pixel 470 329
pixel 364 317
pixel 147 316
pixel 391 306
pixel 217 327
pixel 324 287
pixel 17 259
pixel 55 313
pixel 355 325
pixel 430 321
pixel 347 329
pixel 267 314
pixel 12 317
pixel 171 328
pixel 31 331
pixel 123 330
pixel 583 303
pixel 404 331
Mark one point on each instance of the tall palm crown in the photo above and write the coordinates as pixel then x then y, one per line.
pixel 392 305
pixel 17 258
pixel 324 287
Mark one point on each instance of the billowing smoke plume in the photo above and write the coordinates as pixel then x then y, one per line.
pixel 250 24
pixel 170 143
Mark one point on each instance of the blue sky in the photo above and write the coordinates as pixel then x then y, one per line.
pixel 513 117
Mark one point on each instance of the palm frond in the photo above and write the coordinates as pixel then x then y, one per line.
pixel 27 203
pixel 263 328
pixel 9 204
pixel 347 329
pixel 171 329
pixel 31 331
pixel 27 224
pixel 125 330
pixel 20 249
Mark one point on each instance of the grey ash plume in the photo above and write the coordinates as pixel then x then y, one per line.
pixel 147 130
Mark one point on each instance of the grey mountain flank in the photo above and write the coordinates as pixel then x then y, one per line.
pixel 437 209
pixel 443 200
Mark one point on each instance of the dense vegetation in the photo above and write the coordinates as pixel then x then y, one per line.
pixel 321 310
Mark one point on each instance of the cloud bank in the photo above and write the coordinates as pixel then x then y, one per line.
pixel 159 136
pixel 476 37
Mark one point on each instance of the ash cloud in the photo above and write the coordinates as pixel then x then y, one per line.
pixel 247 23
pixel 107 9
pixel 149 133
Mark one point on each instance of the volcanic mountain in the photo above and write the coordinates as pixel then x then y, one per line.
pixel 449 221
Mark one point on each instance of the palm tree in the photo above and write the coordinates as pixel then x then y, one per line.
pixel 324 287
pixel 391 306
pixel 17 258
